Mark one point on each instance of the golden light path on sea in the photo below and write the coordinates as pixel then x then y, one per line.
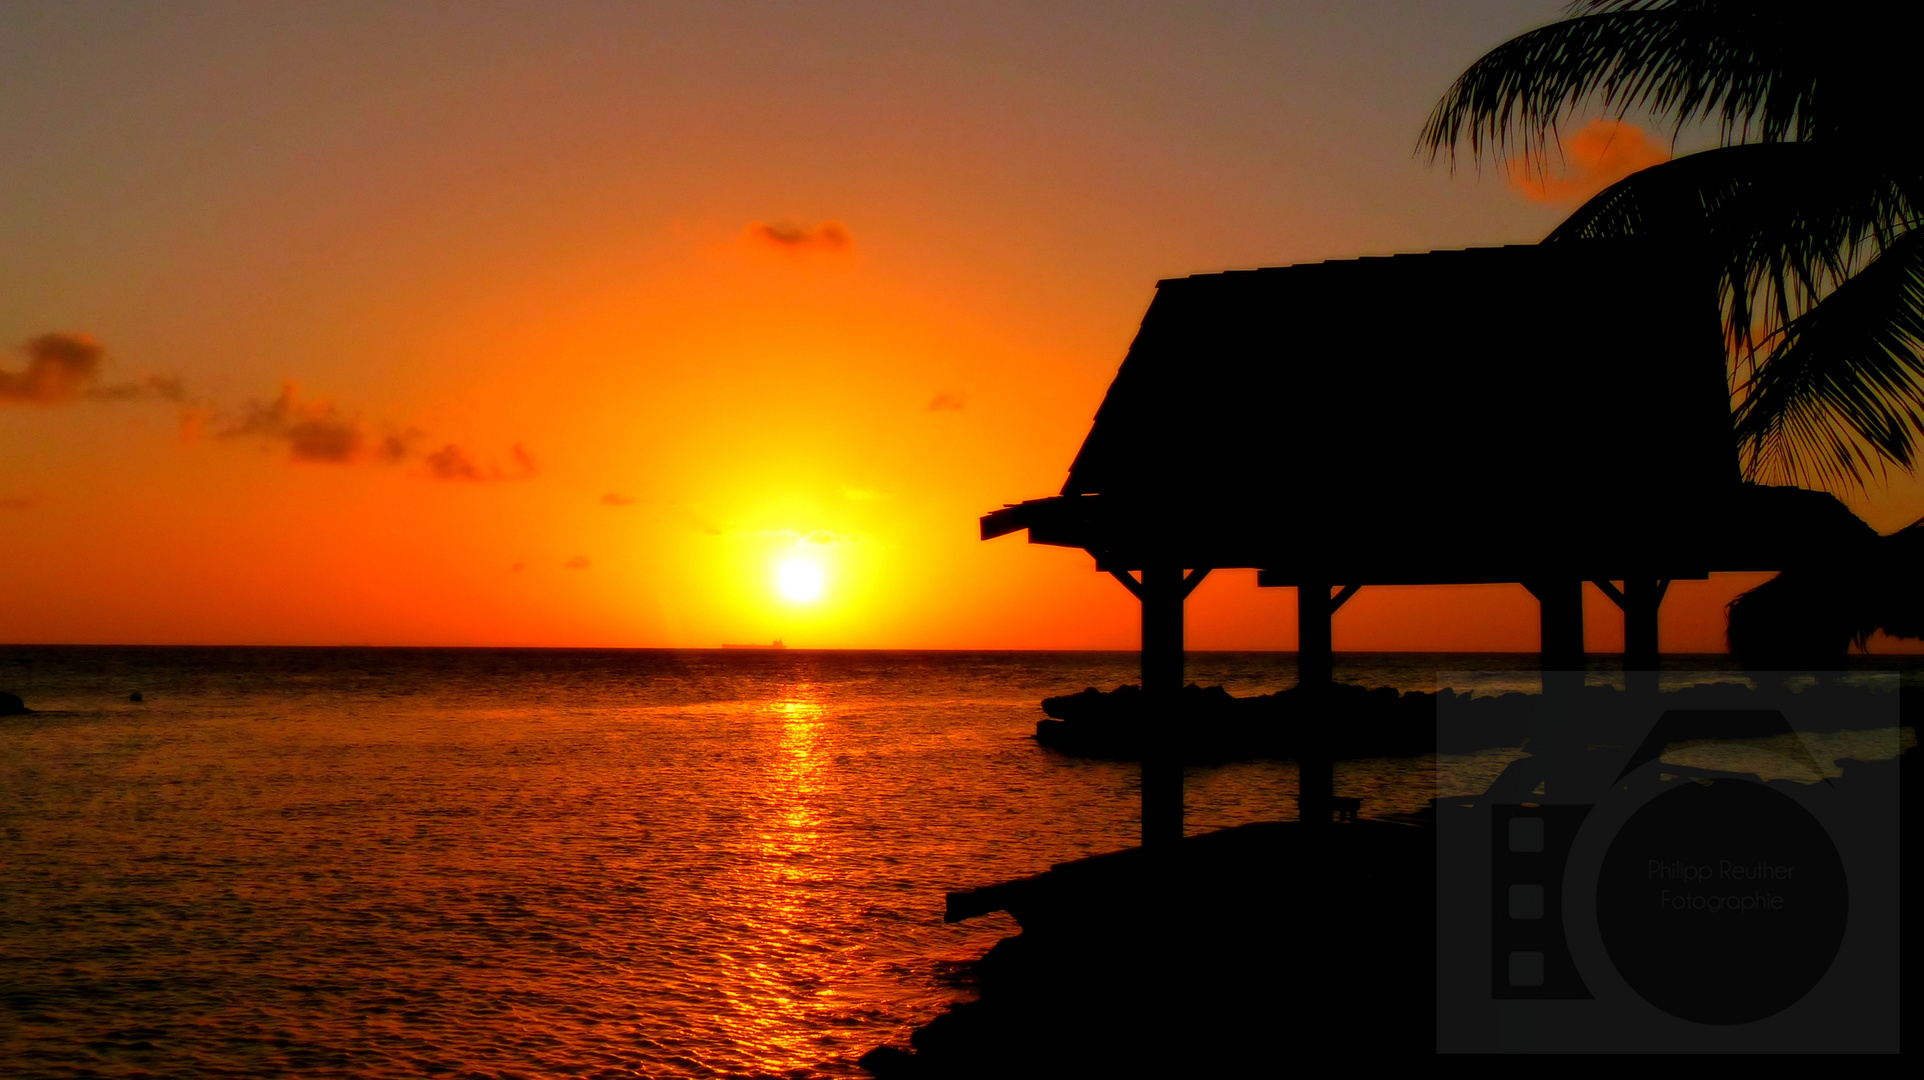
pixel 785 972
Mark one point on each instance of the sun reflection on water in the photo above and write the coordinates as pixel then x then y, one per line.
pixel 795 779
pixel 788 965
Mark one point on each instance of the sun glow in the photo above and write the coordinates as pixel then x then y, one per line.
pixel 799 580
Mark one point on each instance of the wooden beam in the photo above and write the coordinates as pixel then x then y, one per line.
pixel 1194 579
pixel 1342 597
pixel 1130 583
pixel 1162 680
pixel 1611 591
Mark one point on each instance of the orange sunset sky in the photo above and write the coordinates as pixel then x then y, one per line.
pixel 576 323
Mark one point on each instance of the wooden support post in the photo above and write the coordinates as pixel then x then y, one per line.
pixel 1641 598
pixel 1162 681
pixel 1315 642
pixel 1315 675
pixel 1556 735
pixel 1560 608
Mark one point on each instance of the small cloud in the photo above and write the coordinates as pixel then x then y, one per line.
pixel 517 568
pixel 397 446
pixel 823 536
pixel 323 439
pixel 711 531
pixel 316 430
pixel 618 499
pixel 14 502
pixel 453 463
pixel 163 387
pixel 60 367
pixel 577 562
pixel 312 430
pixel 1601 154
pixel 788 236
pixel 64 367
pixel 948 401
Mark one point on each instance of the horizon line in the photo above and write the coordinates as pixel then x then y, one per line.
pixel 803 648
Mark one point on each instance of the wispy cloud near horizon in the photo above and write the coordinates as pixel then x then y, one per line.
pixel 312 430
pixel 454 462
pixel 62 367
pixel 786 235
pixel 318 431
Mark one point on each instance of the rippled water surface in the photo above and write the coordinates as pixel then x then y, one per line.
pixel 391 862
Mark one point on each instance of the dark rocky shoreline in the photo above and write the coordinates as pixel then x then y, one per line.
pixel 1212 963
pixel 1243 951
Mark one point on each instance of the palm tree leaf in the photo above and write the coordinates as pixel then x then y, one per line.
pixel 1684 59
pixel 1779 225
pixel 1841 387
pixel 1803 223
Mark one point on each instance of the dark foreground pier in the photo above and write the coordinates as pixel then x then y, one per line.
pixel 1232 950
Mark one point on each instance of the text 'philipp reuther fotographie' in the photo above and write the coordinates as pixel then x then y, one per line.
pixel 1724 871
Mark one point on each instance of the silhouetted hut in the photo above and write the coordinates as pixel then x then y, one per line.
pixel 1539 415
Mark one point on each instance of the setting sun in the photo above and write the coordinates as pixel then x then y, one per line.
pixel 799 580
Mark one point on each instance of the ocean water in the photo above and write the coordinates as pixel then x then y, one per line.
pixel 522 863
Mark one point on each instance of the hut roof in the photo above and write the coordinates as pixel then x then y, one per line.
pixel 1483 415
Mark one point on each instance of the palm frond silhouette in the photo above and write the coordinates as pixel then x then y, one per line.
pixel 1802 220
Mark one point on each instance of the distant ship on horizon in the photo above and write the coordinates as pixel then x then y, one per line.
pixel 777 645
